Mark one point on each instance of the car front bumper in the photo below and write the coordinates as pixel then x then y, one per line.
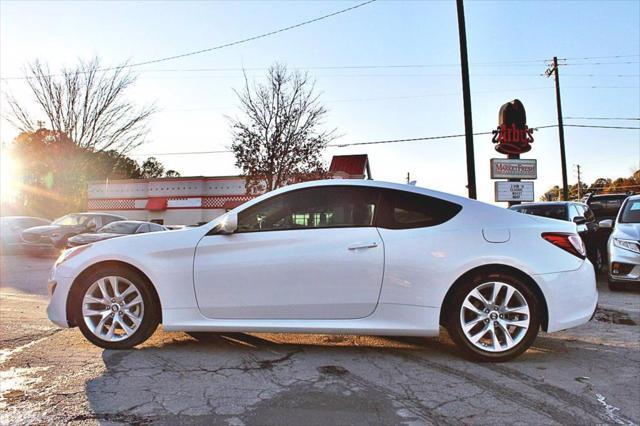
pixel 624 265
pixel 571 296
pixel 58 287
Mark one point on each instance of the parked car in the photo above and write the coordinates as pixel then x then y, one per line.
pixel 11 228
pixel 115 229
pixel 57 234
pixel 337 256
pixel 581 215
pixel 605 207
pixel 624 245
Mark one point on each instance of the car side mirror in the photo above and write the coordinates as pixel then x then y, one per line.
pixel 227 226
pixel 91 226
pixel 606 224
pixel 579 220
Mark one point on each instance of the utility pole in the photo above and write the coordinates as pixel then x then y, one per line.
pixel 408 177
pixel 563 159
pixel 466 96
pixel 579 182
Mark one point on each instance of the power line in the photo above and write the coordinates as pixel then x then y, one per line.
pixel 603 118
pixel 339 145
pixel 600 57
pixel 388 141
pixel 602 127
pixel 599 63
pixel 241 41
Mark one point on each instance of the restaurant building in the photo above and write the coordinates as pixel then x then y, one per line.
pixel 195 199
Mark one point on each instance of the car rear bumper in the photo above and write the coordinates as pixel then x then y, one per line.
pixel 571 296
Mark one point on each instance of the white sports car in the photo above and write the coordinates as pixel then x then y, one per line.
pixel 337 256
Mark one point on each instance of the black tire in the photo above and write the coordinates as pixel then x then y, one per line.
pixel 152 310
pixel 616 286
pixel 453 324
pixel 598 260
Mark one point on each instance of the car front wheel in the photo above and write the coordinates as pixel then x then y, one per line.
pixel 116 308
pixel 493 318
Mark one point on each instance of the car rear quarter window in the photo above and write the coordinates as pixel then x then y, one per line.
pixel 407 210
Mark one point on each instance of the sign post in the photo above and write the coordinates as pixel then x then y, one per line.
pixel 512 138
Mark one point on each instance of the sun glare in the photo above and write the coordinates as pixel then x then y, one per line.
pixel 8 177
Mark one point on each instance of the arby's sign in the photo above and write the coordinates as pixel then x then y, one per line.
pixel 513 136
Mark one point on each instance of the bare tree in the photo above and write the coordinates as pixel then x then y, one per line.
pixel 86 103
pixel 279 139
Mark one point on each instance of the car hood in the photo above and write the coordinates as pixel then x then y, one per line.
pixel 630 231
pixel 90 238
pixel 139 250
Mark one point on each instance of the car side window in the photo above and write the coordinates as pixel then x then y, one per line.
pixel 156 228
pixel 319 207
pixel 588 214
pixel 142 228
pixel 108 219
pixel 94 222
pixel 573 212
pixel 407 210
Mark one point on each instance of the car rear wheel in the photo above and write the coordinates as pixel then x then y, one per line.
pixel 115 308
pixel 493 318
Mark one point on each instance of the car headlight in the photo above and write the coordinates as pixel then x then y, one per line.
pixel 69 253
pixel 630 245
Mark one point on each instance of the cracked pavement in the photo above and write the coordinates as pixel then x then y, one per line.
pixel 49 375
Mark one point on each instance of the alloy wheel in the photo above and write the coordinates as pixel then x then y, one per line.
pixel 113 308
pixel 494 316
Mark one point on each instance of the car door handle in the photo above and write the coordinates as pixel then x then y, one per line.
pixel 358 246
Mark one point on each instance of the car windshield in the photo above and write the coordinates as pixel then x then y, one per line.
pixel 120 228
pixel 631 212
pixel 71 219
pixel 553 211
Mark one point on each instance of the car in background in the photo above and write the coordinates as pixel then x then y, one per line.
pixel 115 229
pixel 605 207
pixel 11 228
pixel 55 235
pixel 578 213
pixel 624 245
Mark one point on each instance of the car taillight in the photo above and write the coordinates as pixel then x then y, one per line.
pixel 567 242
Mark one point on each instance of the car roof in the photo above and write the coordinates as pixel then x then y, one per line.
pixel 23 217
pixel 98 214
pixel 549 203
pixel 366 183
pixel 619 195
pixel 140 222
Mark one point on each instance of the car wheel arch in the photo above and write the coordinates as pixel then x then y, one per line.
pixel 487 270
pixel 104 264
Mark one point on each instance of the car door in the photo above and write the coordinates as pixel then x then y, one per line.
pixel 312 253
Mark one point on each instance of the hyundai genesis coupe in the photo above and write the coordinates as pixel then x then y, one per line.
pixel 336 256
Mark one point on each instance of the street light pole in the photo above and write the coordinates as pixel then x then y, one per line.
pixel 466 96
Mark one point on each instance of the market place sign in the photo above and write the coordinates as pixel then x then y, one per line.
pixel 509 168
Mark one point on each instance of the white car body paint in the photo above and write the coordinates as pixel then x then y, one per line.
pixel 309 281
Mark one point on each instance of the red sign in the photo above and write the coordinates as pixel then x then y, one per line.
pixel 513 137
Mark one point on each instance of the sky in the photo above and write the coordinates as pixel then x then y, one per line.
pixel 508 44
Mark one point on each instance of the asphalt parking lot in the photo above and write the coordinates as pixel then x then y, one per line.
pixel 587 375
